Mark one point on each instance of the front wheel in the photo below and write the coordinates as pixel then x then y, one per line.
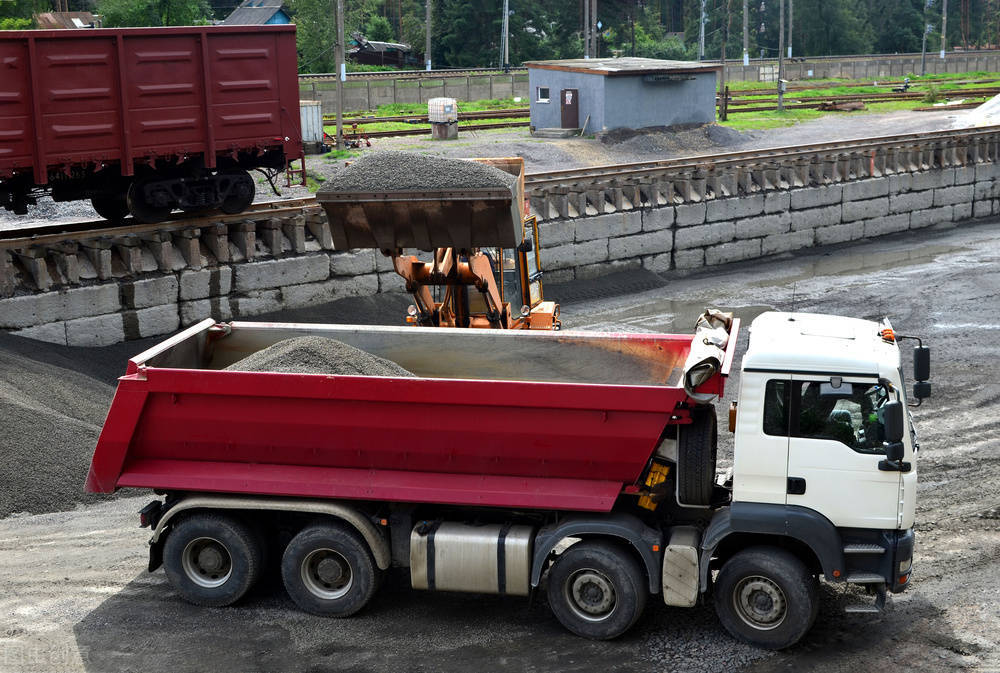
pixel 767 597
pixel 212 560
pixel 597 590
pixel 328 571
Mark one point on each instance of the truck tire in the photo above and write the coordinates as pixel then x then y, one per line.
pixel 767 597
pixel 212 560
pixel 697 446
pixel 329 571
pixel 597 589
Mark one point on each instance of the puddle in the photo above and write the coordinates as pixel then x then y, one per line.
pixel 659 315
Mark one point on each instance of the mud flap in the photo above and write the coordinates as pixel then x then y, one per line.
pixel 156 553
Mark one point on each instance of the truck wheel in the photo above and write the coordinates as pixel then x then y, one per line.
pixel 697 445
pixel 328 571
pixel 212 560
pixel 766 597
pixel 597 590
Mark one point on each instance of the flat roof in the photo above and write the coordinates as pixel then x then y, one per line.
pixel 630 65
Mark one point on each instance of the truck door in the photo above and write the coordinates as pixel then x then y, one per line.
pixel 834 448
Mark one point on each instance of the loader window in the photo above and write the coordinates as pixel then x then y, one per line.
pixel 849 413
pixel 505 266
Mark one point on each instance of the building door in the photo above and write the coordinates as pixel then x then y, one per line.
pixel 569 100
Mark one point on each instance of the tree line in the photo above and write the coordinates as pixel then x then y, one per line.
pixel 467 33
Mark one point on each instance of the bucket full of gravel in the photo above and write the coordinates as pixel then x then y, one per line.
pixel 393 200
pixel 317 355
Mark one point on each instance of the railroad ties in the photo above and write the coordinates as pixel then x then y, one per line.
pixel 593 191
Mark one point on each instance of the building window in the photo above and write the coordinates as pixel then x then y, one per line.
pixel 542 94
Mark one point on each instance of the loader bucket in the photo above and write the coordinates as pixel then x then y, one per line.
pixel 463 218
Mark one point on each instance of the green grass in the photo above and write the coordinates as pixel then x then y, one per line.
pixel 844 86
pixel 769 120
pixel 397 109
pixel 403 126
pixel 335 155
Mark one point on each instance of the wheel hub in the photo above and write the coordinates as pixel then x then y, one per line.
pixel 760 603
pixel 207 562
pixel 326 574
pixel 591 594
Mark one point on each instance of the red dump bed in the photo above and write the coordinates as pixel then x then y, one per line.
pixel 127 96
pixel 556 420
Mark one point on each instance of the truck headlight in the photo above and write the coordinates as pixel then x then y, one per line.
pixel 905 564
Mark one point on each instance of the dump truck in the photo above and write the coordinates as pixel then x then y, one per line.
pixel 581 464
pixel 484 268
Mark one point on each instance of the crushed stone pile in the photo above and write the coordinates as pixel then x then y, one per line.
pixel 681 139
pixel 391 171
pixel 317 355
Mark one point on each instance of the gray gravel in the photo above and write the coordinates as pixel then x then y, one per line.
pixel 407 171
pixel 317 355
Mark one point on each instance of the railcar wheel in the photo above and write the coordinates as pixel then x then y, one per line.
pixel 241 192
pixel 143 210
pixel 212 560
pixel 329 571
pixel 767 597
pixel 597 590
pixel 112 208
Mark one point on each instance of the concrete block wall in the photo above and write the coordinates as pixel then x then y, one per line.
pixel 720 231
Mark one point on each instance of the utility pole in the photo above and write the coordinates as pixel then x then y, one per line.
pixel 746 34
pixel 944 26
pixel 506 36
pixel 586 28
pixel 791 16
pixel 701 33
pixel 923 45
pixel 781 55
pixel 594 48
pixel 427 48
pixel 341 74
pixel 723 89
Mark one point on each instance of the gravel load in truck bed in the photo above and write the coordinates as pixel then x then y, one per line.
pixel 317 355
pixel 405 171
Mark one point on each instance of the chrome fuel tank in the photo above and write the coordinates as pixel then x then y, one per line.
pixel 488 559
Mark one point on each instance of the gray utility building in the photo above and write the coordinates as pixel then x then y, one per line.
pixel 620 93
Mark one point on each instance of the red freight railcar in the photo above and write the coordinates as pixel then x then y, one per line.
pixel 146 120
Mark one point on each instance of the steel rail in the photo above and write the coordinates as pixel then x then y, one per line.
pixel 422 118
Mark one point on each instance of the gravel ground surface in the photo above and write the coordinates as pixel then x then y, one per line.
pixel 393 171
pixel 551 154
pixel 317 355
pixel 74 595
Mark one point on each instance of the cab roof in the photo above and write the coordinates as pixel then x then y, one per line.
pixel 814 342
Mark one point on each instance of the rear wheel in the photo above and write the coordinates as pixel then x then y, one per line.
pixel 112 208
pixel 597 590
pixel 329 571
pixel 767 597
pixel 697 446
pixel 212 560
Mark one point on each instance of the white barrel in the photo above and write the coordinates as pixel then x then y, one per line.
pixel 442 110
pixel 311 114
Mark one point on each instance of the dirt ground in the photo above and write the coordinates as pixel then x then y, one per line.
pixel 74 594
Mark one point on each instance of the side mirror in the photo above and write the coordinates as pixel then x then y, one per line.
pixel 921 390
pixel 922 364
pixel 525 246
pixel 894 451
pixel 892 419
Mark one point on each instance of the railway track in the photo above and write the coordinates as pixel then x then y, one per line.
pixel 422 118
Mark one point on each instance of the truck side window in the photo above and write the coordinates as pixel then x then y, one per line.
pixel 849 414
pixel 776 405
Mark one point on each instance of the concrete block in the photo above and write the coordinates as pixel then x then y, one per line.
pixel 148 322
pixel 946 196
pixel 689 259
pixel 961 211
pixel 195 311
pixel 556 232
pixel 731 209
pixel 732 252
pixel 101 330
pixel 390 282
pixel 987 189
pixel 281 272
pixel 690 214
pixel 792 240
pixel 707 234
pixel 658 263
pixel 864 210
pixel 839 233
pixel 608 226
pixel 764 225
pixel 910 201
pixel 308 294
pixel 205 283
pixel 575 254
pixel 657 218
pixel 52 332
pixel 588 271
pixel 816 217
pixel 354 263
pixel 150 292
pixel 866 189
pixel 982 209
pixel 46 307
pixel 899 184
pixel 383 263
pixel 815 197
pixel 926 218
pixel 560 276
pixel 641 244
pixel 777 202
pixel 933 179
pixel 965 175
pixel 887 225
pixel 989 171
pixel 256 302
